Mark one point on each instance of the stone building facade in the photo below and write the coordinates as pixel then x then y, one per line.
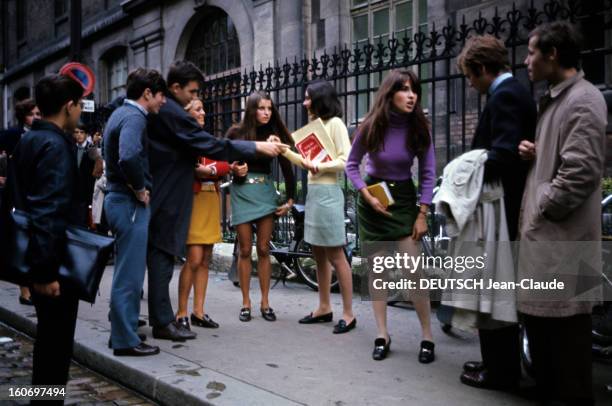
pixel 226 37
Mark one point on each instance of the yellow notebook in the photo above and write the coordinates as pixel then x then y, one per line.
pixel 381 191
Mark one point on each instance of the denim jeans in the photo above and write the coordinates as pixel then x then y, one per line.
pixel 129 222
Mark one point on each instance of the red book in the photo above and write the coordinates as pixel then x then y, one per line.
pixel 311 148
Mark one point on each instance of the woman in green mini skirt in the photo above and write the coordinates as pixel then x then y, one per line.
pixel 254 200
pixel 394 134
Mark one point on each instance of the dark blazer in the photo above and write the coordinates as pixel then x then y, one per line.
pixel 85 178
pixel 45 182
pixel 9 139
pixel 175 142
pixel 509 117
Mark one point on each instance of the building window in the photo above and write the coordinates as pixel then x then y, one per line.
pixel 319 24
pixel 116 71
pixel 61 8
pixel 215 49
pixel 375 21
pixel 21 20
pixel 214 46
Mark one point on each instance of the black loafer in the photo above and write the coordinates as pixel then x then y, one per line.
pixel 483 380
pixel 381 349
pixel 142 337
pixel 141 350
pixel 245 314
pixel 342 327
pixel 26 301
pixel 473 366
pixel 184 323
pixel 205 322
pixel 323 318
pixel 268 314
pixel 174 332
pixel 427 353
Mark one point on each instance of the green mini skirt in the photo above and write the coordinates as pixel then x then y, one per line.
pixel 252 201
pixel 374 226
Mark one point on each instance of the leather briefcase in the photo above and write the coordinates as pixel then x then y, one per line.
pixel 83 262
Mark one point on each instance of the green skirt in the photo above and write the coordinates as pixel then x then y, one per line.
pixel 252 201
pixel 374 226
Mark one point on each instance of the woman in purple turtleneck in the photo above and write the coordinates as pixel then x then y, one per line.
pixel 394 132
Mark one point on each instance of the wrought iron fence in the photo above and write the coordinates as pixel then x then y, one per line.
pixel 453 110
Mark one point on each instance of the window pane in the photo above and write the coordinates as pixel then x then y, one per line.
pixel 362 97
pixel 360 28
pixel 403 16
pixel 425 87
pixel 214 45
pixel 422 11
pixel 117 74
pixel 315 12
pixel 381 22
pixel 320 33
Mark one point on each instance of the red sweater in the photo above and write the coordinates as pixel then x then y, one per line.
pixel 222 167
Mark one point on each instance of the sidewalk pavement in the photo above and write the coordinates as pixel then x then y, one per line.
pixel 280 363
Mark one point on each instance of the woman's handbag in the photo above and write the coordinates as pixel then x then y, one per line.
pixel 84 259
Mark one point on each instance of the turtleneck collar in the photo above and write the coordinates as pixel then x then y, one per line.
pixel 264 129
pixel 398 120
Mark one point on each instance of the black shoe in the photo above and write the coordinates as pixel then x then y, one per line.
pixel 473 366
pixel 245 314
pixel 26 301
pixel 142 337
pixel 184 323
pixel 427 353
pixel 482 380
pixel 310 319
pixel 173 331
pixel 141 350
pixel 205 322
pixel 141 323
pixel 268 314
pixel 342 327
pixel 381 349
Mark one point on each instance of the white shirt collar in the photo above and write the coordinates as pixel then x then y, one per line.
pixel 138 106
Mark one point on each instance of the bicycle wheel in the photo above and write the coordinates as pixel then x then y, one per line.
pixel 306 266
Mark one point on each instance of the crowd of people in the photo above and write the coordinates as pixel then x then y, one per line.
pixel 158 172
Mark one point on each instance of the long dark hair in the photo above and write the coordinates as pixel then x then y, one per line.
pixel 324 99
pixel 376 122
pixel 247 129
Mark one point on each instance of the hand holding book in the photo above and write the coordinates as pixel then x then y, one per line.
pixel 308 164
pixel 367 193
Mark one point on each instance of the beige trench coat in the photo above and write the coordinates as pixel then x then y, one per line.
pixel 562 199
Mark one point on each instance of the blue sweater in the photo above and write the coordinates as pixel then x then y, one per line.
pixel 126 150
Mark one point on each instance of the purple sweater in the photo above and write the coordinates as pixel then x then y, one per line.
pixel 393 161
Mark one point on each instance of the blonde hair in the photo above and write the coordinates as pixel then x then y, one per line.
pixel 189 105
